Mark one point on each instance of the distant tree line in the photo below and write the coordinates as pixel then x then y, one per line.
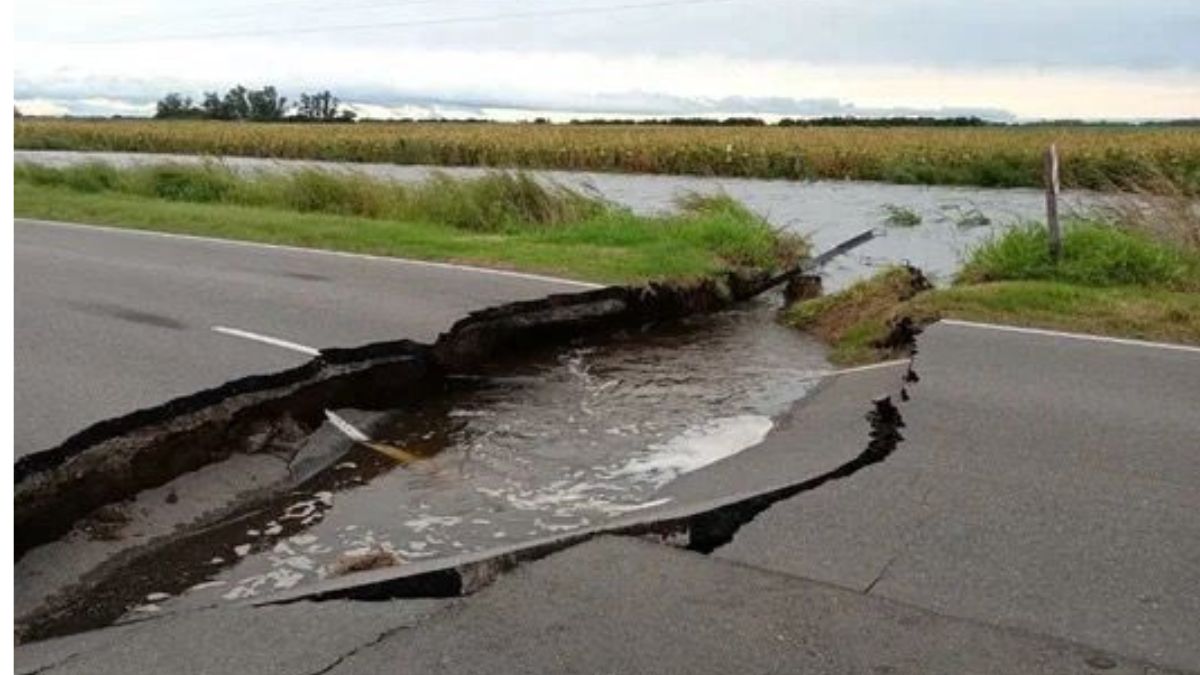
pixel 679 121
pixel 256 105
pixel 887 122
pixel 797 122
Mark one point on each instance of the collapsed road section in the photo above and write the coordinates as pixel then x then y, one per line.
pixel 117 458
pixel 499 447
pixel 99 499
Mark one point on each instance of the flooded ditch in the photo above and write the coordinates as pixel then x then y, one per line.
pixel 952 219
pixel 494 452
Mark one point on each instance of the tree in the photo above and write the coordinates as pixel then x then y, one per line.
pixel 175 106
pixel 322 107
pixel 214 109
pixel 235 105
pixel 266 104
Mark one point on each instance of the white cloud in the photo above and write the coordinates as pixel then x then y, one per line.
pixel 461 81
pixel 41 106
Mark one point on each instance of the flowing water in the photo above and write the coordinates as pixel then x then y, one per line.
pixel 520 451
pixel 953 219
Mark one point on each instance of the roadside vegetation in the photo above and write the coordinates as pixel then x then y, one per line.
pixel 507 220
pixel 1115 278
pixel 1093 157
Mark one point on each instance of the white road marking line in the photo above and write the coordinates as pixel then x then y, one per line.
pixel 267 339
pixel 872 366
pixel 353 433
pixel 1072 336
pixel 345 427
pixel 319 251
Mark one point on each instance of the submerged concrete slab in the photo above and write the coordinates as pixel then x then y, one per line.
pixel 820 433
pixel 1045 483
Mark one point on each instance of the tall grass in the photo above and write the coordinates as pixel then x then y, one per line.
pixel 1095 158
pixel 494 202
pixel 1095 253
pixel 546 224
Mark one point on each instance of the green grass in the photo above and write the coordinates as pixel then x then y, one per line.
pixel 503 220
pixel 1125 311
pixel 1111 281
pixel 900 216
pixel 1094 254
pixel 851 321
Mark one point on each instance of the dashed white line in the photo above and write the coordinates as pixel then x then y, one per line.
pixel 267 339
pixel 1071 336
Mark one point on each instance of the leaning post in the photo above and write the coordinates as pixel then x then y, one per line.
pixel 1052 188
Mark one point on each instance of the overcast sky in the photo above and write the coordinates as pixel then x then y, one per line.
pixel 1004 59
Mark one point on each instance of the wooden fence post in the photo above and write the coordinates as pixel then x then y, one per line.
pixel 1052 188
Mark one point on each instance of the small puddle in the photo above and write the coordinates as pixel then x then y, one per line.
pixel 520 451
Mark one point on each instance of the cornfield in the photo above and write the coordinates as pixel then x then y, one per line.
pixel 1101 158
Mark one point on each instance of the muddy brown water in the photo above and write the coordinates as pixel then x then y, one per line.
pixel 519 451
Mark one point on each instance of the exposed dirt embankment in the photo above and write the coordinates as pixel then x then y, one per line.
pixel 115 459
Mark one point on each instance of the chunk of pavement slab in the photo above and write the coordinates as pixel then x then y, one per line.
pixel 631 606
pixel 328 444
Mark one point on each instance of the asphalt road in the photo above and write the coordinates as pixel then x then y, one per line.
pixel 1038 517
pixel 1046 483
pixel 108 321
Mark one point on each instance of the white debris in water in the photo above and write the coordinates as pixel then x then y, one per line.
pixel 206 585
pixel 252 533
pixel 346 465
pixel 285 578
pixel 148 608
pixel 273 529
pixel 695 449
pixel 217 560
pixel 614 509
pixel 425 522
pixel 299 562
pixel 282 578
pixel 300 510
pixel 157 597
pixel 241 550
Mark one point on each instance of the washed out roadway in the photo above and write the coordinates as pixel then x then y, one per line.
pixel 108 321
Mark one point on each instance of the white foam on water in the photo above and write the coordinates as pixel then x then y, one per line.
pixel 695 449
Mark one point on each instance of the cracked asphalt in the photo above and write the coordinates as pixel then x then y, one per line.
pixel 109 321
pixel 1038 517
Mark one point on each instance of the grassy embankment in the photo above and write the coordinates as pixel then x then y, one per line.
pixel 1092 157
pixel 1113 279
pixel 502 220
